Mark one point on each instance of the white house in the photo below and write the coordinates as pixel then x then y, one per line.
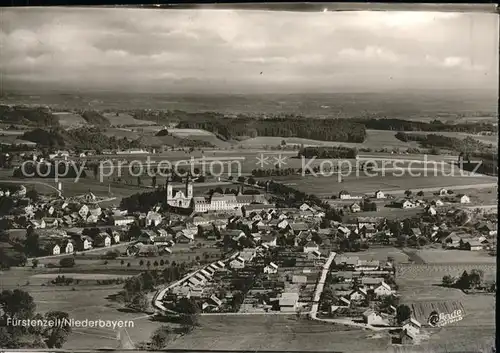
pixel 438 203
pixel 83 211
pixel 431 211
pixel 237 263
pixel 305 207
pixel 371 317
pixel 358 295
pixel 310 247
pixel 443 192
pixel 123 220
pixel 153 219
pixel 379 194
pixel 382 290
pixel 344 195
pixel 412 326
pixel 464 198
pixel 272 268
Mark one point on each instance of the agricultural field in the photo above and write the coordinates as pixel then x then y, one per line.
pixel 391 183
pixel 70 120
pixel 283 333
pixel 419 284
pixel 375 139
pixel 117 119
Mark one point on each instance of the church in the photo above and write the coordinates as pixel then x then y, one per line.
pixel 216 202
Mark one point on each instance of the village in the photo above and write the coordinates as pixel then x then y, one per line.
pixel 296 260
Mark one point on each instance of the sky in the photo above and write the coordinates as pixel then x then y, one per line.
pixel 242 51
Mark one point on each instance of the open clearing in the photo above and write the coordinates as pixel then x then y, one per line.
pixel 375 139
pixel 442 256
pixel 80 276
pixel 67 119
pixel 390 182
pixel 276 332
pixel 125 119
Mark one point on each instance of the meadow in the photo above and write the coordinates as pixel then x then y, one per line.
pixel 390 182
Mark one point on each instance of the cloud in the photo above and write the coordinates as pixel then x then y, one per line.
pixel 115 48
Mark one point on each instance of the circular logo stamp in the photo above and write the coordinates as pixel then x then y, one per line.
pixel 433 319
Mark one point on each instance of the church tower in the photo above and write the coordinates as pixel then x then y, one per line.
pixel 189 188
pixel 168 190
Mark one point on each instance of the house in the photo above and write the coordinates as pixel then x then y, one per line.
pixel 349 262
pixel 237 263
pixel 405 204
pixel 344 231
pixel 184 237
pixel 314 255
pixel 85 243
pixel 288 302
pixel 37 224
pixel 487 227
pixel 358 294
pixel 83 211
pixel 416 232
pixel 344 302
pixel 344 195
pixel 116 237
pixel 382 290
pixel 412 327
pixel 310 247
pixel 123 220
pixel 103 240
pixel 431 211
pixel 463 198
pixel 298 227
pixel 363 265
pixel 279 223
pixel 163 241
pixel 355 207
pixel 471 244
pixel 95 210
pixel 442 192
pixel 371 282
pixel 272 268
pixel 153 219
pixel 437 203
pixel 269 240
pixel 92 219
pixel 371 317
pixel 213 302
pixel 53 249
pixel 305 207
pixel 379 194
pixel 51 222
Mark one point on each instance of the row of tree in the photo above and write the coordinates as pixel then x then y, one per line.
pixel 343 130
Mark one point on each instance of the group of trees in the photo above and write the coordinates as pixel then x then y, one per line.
pixel 19 305
pixel 81 138
pixel 344 130
pixel 328 152
pixel 433 126
pixel 24 115
pixel 472 280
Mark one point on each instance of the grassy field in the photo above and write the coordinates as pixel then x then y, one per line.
pixel 276 332
pixel 418 283
pixel 324 185
pixel 125 119
pixel 375 139
pixel 67 119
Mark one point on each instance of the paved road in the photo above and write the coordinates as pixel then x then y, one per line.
pixel 320 285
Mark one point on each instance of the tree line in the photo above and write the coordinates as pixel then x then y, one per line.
pixel 343 130
pixel 433 126
pixel 327 152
